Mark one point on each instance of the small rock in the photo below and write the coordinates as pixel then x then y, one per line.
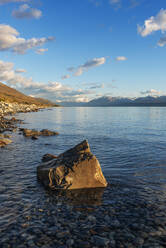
pixel 91 218
pixel 47 157
pixel 61 235
pixel 34 137
pixel 100 241
pixel 70 242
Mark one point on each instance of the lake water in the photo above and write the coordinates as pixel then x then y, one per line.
pixel 130 144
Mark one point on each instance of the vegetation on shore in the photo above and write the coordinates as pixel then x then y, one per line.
pixel 10 95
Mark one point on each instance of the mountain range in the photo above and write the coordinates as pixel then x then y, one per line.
pixel 9 94
pixel 120 101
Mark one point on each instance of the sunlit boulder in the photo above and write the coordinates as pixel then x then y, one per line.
pixel 76 168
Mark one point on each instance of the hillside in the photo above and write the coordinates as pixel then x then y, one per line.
pixel 8 94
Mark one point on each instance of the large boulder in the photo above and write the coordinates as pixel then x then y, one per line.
pixel 76 168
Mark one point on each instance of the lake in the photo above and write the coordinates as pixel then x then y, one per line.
pixel 130 144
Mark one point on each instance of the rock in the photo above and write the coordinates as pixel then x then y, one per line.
pixel 5 136
pixel 8 124
pixel 33 132
pixel 63 234
pixel 76 168
pixel 47 157
pixel 30 133
pixel 91 218
pixel 4 142
pixel 12 108
pixel 100 241
pixel 70 242
pixel 34 137
pixel 46 132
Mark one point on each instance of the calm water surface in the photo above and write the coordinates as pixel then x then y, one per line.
pixel 130 144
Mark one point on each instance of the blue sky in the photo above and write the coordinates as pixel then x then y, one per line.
pixel 111 47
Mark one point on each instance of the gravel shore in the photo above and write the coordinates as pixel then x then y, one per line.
pixel 114 218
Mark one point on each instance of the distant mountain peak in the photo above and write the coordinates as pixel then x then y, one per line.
pixel 107 101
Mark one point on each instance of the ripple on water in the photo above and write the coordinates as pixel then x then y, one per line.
pixel 132 155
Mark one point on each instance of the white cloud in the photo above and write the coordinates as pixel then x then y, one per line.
pixel 153 24
pixel 55 91
pixel 65 76
pixel 121 58
pixel 25 11
pixel 12 77
pixel 71 69
pixel 10 40
pixel 97 86
pixel 134 3
pixel 162 42
pixel 12 1
pixel 118 3
pixel 115 3
pixel 41 51
pixel 89 64
pixel 150 92
pixel 97 3
pixel 59 92
pixel 20 71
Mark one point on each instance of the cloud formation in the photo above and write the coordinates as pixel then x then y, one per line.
pixel 162 42
pixel 115 3
pixel 118 3
pixel 150 92
pixel 41 51
pixel 55 91
pixel 65 76
pixel 153 24
pixel 26 12
pixel 10 40
pixel 71 69
pixel 121 58
pixel 97 86
pixel 12 1
pixel 89 64
pixel 13 77
pixel 20 71
pixel 96 2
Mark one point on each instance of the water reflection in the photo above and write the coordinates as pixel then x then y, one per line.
pixel 79 196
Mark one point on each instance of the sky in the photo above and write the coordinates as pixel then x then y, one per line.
pixel 78 50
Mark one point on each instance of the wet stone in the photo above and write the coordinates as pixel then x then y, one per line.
pixel 100 241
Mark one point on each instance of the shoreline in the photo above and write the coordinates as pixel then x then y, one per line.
pixel 7 109
pixel 9 125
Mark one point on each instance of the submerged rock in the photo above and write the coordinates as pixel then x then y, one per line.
pixel 30 133
pixel 76 168
pixel 35 133
pixel 46 132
